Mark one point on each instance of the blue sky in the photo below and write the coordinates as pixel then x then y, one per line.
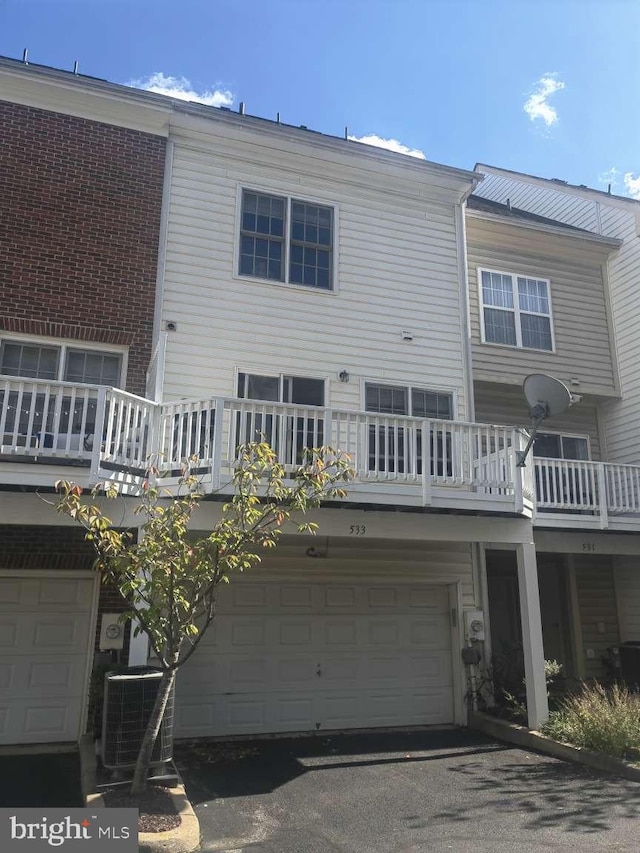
pixel 550 88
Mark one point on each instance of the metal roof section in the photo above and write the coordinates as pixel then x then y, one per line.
pixel 557 183
pixel 493 209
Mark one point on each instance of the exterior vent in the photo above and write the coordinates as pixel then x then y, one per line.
pixel 128 702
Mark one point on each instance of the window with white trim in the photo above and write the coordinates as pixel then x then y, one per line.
pixel 36 415
pixel 553 445
pixel 286 239
pixel 289 434
pixel 563 485
pixel 516 310
pixel 30 360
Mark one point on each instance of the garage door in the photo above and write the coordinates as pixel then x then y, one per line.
pixel 44 639
pixel 304 657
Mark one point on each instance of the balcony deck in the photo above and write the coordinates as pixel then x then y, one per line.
pixel 53 430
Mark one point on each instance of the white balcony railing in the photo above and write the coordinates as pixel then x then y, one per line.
pixel 397 459
pixel 117 435
pixel 597 489
pixel 52 419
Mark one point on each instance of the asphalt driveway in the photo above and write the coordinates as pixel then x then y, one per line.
pixel 403 793
pixel 50 779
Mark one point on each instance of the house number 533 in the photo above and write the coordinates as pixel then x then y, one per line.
pixel 357 530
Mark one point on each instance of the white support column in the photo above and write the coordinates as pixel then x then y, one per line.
pixel 537 704
pixel 138 649
pixel 138 646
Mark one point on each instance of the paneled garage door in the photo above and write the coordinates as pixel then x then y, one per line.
pixel 44 641
pixel 285 657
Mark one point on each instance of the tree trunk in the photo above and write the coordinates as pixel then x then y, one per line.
pixel 143 762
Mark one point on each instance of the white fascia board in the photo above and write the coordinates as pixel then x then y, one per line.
pixel 84 97
pixel 610 243
pixel 201 121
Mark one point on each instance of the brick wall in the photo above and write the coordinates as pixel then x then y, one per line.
pixel 80 209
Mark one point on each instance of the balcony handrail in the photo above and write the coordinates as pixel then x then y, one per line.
pixel 119 431
pixel 589 462
pixel 63 383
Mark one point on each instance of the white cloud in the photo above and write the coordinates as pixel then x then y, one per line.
pixel 632 184
pixel 180 87
pixel 627 183
pixel 389 144
pixel 610 178
pixel 537 106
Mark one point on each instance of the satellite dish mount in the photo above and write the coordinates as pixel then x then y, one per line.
pixel 546 397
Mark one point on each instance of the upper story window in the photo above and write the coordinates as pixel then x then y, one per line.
pixel 61 362
pixel 286 239
pixel 515 310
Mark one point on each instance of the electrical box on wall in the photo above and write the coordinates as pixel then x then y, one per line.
pixel 111 632
pixel 474 624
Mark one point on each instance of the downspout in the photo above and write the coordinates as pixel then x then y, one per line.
pixel 465 318
pixel 156 344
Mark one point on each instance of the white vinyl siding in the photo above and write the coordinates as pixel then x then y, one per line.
pixel 621 417
pixel 610 217
pixel 397 269
pixel 598 610
pixel 582 345
pixel 627 583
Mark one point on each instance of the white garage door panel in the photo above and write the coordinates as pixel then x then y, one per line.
pixel 296 657
pixel 39 720
pixel 58 675
pixel 44 642
pixel 63 593
pixel 24 633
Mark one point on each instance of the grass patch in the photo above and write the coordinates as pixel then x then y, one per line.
pixel 604 720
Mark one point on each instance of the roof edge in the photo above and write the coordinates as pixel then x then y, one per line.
pixel 558 230
pixel 557 183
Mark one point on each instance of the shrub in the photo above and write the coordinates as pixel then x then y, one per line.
pixel 604 720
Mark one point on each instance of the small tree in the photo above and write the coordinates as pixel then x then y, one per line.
pixel 169 579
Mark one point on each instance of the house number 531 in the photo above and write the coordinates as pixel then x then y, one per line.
pixel 357 530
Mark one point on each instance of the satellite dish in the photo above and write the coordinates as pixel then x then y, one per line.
pixel 546 396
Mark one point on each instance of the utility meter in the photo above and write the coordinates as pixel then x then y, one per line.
pixel 111 632
pixel 474 624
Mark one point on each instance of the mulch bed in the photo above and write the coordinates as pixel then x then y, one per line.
pixel 157 811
